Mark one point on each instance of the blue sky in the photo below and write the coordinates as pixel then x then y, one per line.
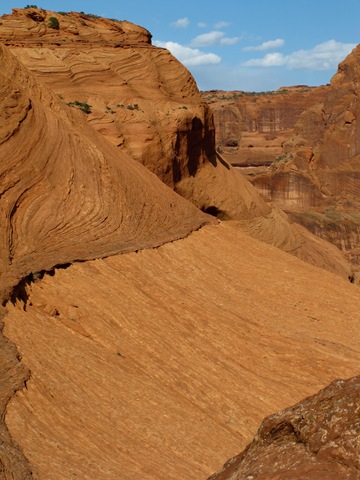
pixel 252 45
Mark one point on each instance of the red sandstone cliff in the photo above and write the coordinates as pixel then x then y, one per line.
pixel 300 148
pixel 100 65
pixel 251 127
pixel 111 365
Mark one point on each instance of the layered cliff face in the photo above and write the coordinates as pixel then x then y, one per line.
pixel 300 148
pixel 252 127
pixel 111 365
pixel 162 121
pixel 317 439
pixel 67 194
pixel 98 66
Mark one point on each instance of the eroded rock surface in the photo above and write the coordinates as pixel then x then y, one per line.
pixel 127 353
pixel 161 364
pixel 67 194
pixel 163 122
pixel 319 438
pixel 251 127
pixel 314 174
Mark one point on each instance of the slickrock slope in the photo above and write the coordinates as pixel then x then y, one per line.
pixel 141 98
pixel 125 365
pixel 162 122
pixel 160 364
pixel 317 439
pixel 67 194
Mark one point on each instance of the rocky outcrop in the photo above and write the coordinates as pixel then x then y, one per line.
pixel 67 194
pixel 111 354
pixel 251 127
pixel 319 438
pixel 316 177
pixel 162 123
pixel 162 363
pixel 36 26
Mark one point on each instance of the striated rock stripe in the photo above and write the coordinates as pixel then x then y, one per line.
pixel 67 194
pixel 161 364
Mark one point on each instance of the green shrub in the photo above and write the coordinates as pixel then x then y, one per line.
pixel 31 6
pixel 84 107
pixel 53 23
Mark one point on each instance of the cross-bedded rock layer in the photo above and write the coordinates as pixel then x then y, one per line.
pixel 70 195
pixel 100 65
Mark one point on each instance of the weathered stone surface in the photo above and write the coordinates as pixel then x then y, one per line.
pixel 67 194
pixel 319 438
pixel 13 374
pixel 252 127
pixel 161 364
pixel 127 354
pixel 299 147
pixel 163 123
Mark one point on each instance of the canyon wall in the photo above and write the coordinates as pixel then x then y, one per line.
pixel 251 127
pixel 98 66
pixel 300 148
pixel 126 310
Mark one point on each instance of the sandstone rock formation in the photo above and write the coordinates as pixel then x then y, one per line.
pixel 162 363
pixel 100 65
pixel 314 172
pixel 125 365
pixel 67 194
pixel 251 127
pixel 323 159
pixel 319 438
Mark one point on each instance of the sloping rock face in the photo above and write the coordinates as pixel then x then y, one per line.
pixel 67 194
pixel 316 177
pixel 141 98
pixel 161 364
pixel 99 66
pixel 100 347
pixel 319 438
pixel 251 127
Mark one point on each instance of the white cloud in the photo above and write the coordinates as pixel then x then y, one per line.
pixel 189 56
pixel 269 45
pixel 270 60
pixel 181 23
pixel 213 38
pixel 207 39
pixel 220 25
pixel 229 41
pixel 202 25
pixel 324 56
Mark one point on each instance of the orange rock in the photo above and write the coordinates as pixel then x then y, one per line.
pixel 163 123
pixel 175 355
pixel 136 360
pixel 67 194
pixel 316 439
